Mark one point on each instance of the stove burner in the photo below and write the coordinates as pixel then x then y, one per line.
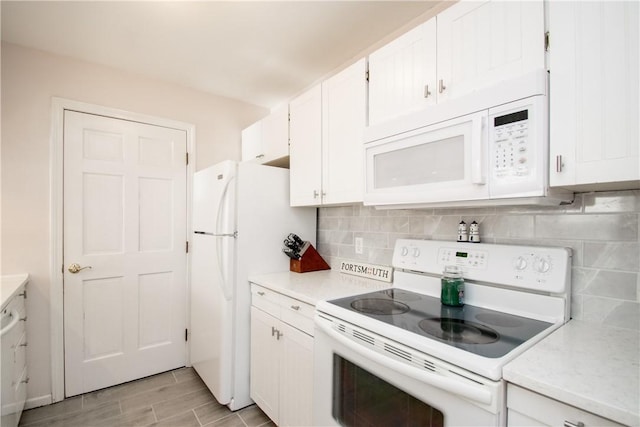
pixel 497 319
pixel 379 306
pixel 398 294
pixel 458 330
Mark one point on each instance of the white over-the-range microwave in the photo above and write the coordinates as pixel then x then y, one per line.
pixel 490 147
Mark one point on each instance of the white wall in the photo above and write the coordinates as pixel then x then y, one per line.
pixel 30 79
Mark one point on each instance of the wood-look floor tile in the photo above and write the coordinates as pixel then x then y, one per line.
pixel 81 418
pixel 188 419
pixel 136 418
pixel 212 412
pixel 72 404
pixel 184 374
pixel 253 416
pixel 232 420
pixel 125 390
pixel 183 403
pixel 159 394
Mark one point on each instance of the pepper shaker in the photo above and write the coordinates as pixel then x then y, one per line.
pixel 474 232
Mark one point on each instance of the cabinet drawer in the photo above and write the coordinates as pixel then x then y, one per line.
pixel 298 314
pixel 524 405
pixel 266 300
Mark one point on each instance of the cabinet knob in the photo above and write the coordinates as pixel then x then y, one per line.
pixel 295 307
pixel 261 293
pixel 315 194
pixel 441 86
pixel 559 163
pixel 427 92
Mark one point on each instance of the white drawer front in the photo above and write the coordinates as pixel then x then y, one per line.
pixel 298 314
pixel 266 300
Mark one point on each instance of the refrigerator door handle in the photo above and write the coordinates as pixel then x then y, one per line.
pixel 226 287
pixel 206 233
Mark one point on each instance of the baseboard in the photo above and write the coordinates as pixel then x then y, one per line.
pixel 36 402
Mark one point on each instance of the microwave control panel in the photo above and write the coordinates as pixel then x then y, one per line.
pixel 510 138
pixel 517 147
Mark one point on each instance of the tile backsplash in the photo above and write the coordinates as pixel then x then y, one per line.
pixel 601 228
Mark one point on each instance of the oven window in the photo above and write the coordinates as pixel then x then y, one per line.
pixel 362 399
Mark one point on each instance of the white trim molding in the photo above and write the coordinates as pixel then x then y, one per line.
pixel 58 107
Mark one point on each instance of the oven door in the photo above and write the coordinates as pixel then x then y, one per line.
pixel 442 162
pixel 364 379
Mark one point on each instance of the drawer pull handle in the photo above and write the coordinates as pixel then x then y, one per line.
pixel 261 293
pixel 570 424
pixel 23 344
pixel 295 307
pixel 26 381
pixel 23 319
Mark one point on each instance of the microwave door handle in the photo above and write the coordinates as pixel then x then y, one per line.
pixel 478 150
pixel 451 385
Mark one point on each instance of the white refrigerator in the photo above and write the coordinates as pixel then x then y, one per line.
pixel 241 216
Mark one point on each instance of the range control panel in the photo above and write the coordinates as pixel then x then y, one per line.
pixel 528 267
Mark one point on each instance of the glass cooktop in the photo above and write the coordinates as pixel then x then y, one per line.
pixel 478 330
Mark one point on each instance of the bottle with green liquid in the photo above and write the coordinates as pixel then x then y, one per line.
pixel 452 292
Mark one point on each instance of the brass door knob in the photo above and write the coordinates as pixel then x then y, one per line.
pixel 74 268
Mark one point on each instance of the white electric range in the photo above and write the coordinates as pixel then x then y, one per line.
pixel 400 357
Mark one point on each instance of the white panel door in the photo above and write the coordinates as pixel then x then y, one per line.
pixel 481 43
pixel 344 110
pixel 594 80
pixel 296 377
pixel 125 225
pixel 305 133
pixel 402 74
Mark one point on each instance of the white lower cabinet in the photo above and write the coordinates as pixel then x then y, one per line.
pixel 526 408
pixel 14 359
pixel 282 357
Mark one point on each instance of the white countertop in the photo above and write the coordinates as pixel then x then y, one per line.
pixel 10 284
pixel 589 366
pixel 317 285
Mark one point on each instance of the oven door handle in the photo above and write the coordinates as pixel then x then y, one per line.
pixel 469 391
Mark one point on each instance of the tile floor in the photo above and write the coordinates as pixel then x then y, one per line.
pixel 172 399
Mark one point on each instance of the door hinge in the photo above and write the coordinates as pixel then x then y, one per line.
pixel 186 335
pixel 546 41
pixel 366 75
pixel 187 158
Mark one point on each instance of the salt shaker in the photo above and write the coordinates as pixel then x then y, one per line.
pixel 462 232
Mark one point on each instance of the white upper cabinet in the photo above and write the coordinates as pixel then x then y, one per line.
pixel 593 64
pixel 402 74
pixel 267 141
pixel 305 161
pixel 344 110
pixel 326 128
pixel 469 46
pixel 483 43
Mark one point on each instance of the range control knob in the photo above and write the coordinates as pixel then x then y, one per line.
pixel 542 265
pixel 416 252
pixel 404 251
pixel 520 263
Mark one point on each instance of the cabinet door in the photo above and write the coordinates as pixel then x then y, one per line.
pixel 296 386
pixel 252 143
pixel 593 64
pixel 275 134
pixel 305 149
pixel 265 366
pixel 402 74
pixel 344 98
pixel 481 43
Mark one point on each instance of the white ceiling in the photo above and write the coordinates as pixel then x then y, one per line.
pixel 261 52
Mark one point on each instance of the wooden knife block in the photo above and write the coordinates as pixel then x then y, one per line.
pixel 310 261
